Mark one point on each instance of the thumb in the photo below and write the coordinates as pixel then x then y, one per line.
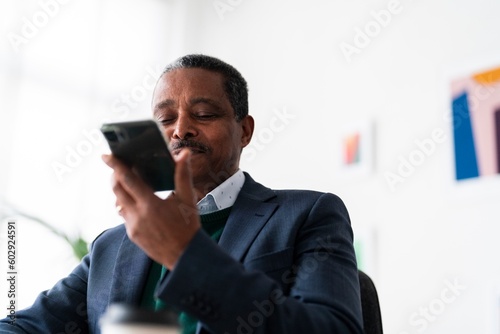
pixel 184 188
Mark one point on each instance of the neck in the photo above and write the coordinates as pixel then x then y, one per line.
pixel 200 194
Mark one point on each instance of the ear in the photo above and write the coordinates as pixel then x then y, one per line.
pixel 247 126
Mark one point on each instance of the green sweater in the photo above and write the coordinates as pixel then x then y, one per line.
pixel 213 224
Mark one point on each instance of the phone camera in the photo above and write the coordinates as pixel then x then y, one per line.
pixel 111 136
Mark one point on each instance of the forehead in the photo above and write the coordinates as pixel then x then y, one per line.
pixel 189 82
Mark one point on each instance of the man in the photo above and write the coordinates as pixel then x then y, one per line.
pixel 230 255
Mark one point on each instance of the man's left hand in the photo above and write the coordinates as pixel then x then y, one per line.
pixel 161 228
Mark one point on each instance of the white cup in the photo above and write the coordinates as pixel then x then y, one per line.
pixel 127 319
pixel 137 329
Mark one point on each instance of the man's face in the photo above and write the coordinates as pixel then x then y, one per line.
pixel 194 111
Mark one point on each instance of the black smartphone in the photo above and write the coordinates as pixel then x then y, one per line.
pixel 141 146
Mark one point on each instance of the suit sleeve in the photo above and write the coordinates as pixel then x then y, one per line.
pixel 229 298
pixel 62 309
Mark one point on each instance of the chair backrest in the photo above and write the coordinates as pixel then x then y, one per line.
pixel 370 305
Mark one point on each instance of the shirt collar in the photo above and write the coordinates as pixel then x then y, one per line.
pixel 224 195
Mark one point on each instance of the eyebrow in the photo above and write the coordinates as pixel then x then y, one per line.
pixel 163 104
pixel 209 101
pixel 169 103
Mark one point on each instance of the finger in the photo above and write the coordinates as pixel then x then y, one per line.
pixel 129 180
pixel 123 198
pixel 184 189
pixel 107 159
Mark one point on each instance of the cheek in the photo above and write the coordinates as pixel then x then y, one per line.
pixel 167 132
pixel 225 144
pixel 223 151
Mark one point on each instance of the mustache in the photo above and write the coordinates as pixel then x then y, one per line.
pixel 189 144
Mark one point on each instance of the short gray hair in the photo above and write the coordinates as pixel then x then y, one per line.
pixel 235 85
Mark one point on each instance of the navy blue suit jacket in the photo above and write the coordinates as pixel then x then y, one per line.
pixel 284 264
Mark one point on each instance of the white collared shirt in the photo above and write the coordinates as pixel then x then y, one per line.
pixel 224 195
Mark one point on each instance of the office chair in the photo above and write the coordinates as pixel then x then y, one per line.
pixel 370 306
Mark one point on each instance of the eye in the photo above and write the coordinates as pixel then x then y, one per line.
pixel 206 116
pixel 165 119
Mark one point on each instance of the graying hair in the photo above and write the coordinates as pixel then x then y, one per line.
pixel 235 85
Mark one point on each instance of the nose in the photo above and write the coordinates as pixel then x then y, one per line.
pixel 184 127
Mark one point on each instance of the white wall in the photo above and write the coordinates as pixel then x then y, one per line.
pixel 429 230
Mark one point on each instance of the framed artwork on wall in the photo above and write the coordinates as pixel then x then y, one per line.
pixel 475 117
pixel 356 141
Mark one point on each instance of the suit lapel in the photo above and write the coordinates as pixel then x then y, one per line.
pixel 249 215
pixel 130 273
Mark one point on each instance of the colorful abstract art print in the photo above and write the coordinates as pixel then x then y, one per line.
pixel 357 147
pixel 352 149
pixel 476 124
